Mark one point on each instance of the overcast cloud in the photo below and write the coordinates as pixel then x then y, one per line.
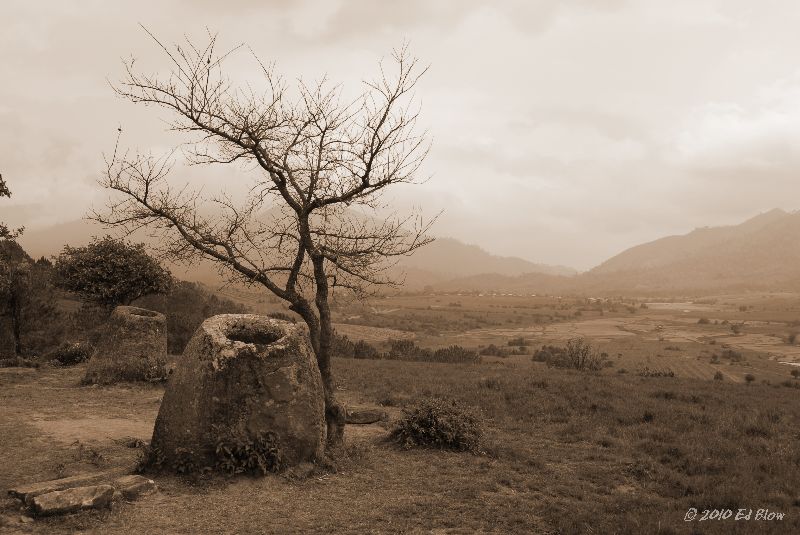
pixel 564 132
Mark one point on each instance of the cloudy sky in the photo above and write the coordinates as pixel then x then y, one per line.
pixel 563 131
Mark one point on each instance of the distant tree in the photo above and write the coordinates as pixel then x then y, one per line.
pixel 5 232
pixel 321 163
pixel 14 284
pixel 110 272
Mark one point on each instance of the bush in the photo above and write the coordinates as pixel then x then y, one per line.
pixel 734 356
pixel 749 378
pixel 577 355
pixel 439 423
pixel 718 376
pixel 791 338
pixel 647 372
pixel 408 350
pixel 346 348
pixel 703 321
pixel 795 374
pixel 522 342
pixel 71 353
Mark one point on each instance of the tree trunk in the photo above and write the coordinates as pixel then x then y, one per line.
pixel 321 334
pixel 335 413
pixel 16 320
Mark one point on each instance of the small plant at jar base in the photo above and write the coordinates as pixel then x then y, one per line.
pixel 238 453
pixel 149 459
pixel 185 461
pixel 439 423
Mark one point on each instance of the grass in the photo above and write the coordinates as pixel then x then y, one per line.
pixel 563 452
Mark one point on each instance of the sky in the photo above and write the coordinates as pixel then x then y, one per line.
pixel 563 131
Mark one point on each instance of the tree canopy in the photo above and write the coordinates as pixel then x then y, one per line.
pixel 110 272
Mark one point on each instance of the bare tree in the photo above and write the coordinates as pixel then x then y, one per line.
pixel 322 163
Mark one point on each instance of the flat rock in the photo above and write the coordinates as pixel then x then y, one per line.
pixel 72 500
pixel 27 492
pixel 132 487
pixel 366 416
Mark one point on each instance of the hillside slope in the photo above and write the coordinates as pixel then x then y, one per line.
pixel 761 253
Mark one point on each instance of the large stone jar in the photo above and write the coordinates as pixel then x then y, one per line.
pixel 133 347
pixel 241 376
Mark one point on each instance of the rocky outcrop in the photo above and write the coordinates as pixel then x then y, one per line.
pixel 133 348
pixel 241 378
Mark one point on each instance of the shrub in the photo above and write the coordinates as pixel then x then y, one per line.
pixel 795 374
pixel 346 348
pixel 647 372
pixel 439 423
pixel 718 376
pixel 734 356
pixel 408 350
pixel 71 353
pixel 577 355
pixel 749 378
pixel 791 338
pixel 703 321
pixel 522 342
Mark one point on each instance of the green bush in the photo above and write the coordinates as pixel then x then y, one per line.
pixel 439 423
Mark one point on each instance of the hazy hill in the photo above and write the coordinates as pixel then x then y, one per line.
pixel 439 262
pixel 761 253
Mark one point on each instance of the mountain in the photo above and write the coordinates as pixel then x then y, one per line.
pixel 439 262
pixel 761 253
pixel 451 258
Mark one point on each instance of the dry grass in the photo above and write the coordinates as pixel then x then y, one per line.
pixel 565 452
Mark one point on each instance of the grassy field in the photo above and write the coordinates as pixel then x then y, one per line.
pixel 564 452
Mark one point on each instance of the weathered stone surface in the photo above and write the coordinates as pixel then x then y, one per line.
pixel 365 416
pixel 28 491
pixel 133 487
pixel 133 348
pixel 242 374
pixel 71 500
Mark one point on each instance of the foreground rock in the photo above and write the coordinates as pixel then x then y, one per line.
pixel 133 487
pixel 243 381
pixel 133 348
pixel 27 492
pixel 366 416
pixel 72 500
